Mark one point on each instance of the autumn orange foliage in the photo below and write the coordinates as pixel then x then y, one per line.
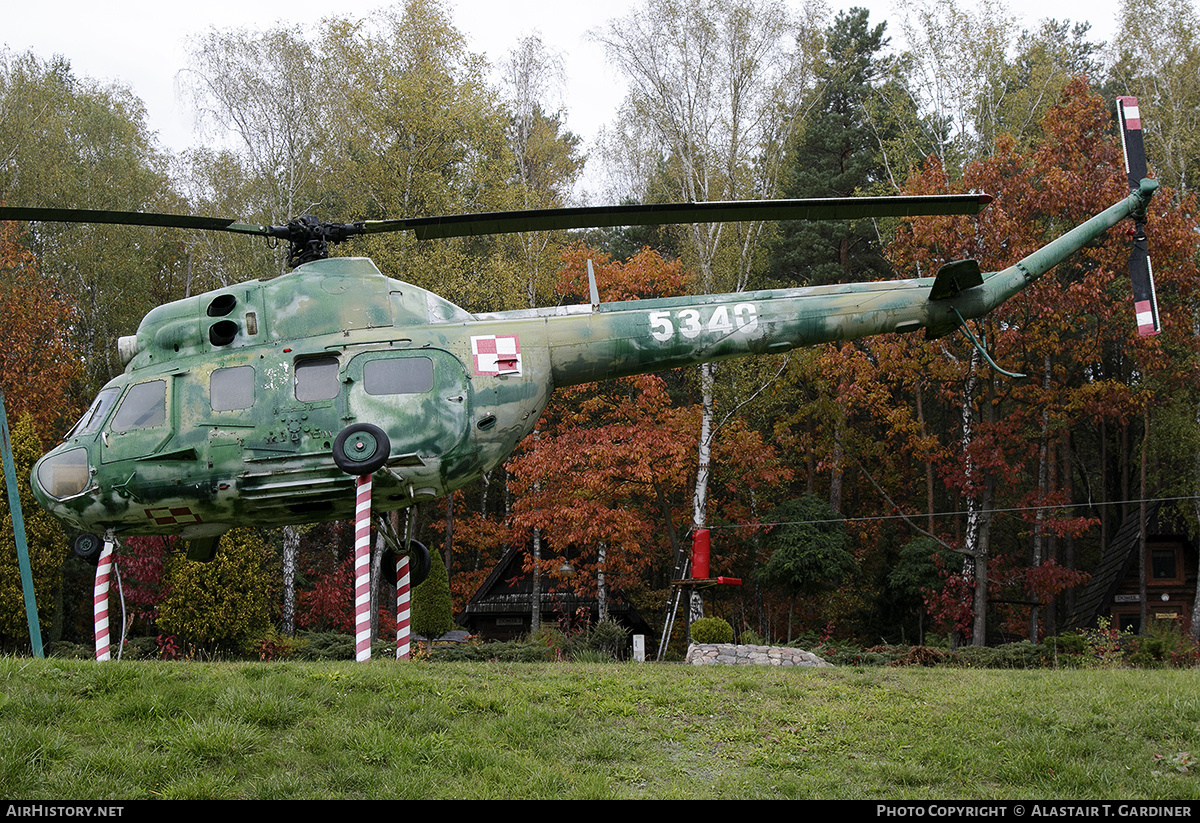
pixel 37 364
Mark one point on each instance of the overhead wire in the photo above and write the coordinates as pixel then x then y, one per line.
pixel 1006 510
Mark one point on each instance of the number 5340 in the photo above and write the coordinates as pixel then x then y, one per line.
pixel 742 317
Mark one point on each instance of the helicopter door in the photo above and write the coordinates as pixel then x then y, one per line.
pixel 418 397
pixel 141 424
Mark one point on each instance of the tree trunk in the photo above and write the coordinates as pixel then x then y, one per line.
pixel 703 470
pixel 535 595
pixel 291 546
pixel 601 586
pixel 1039 526
pixel 1142 525
pixel 448 543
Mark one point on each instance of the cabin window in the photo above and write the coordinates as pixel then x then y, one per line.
pixel 144 407
pixel 317 379
pixel 231 389
pixel 1164 564
pixel 94 416
pixel 398 375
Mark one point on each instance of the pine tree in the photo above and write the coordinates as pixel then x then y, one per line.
pixel 431 613
pixel 839 154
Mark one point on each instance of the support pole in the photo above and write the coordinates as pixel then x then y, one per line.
pixel 362 569
pixel 403 608
pixel 18 522
pixel 100 598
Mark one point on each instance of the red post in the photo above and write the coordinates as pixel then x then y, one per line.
pixel 700 545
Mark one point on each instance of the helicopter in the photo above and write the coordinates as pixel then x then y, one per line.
pixel 260 403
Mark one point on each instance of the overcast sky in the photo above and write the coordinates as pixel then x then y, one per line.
pixel 143 43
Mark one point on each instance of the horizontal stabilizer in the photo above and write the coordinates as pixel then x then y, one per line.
pixel 955 278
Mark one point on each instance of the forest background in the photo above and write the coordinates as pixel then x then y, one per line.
pixel 870 489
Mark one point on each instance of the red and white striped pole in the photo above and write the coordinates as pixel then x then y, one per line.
pixel 362 569
pixel 403 608
pixel 100 599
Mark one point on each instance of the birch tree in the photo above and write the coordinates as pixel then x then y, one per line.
pixel 715 91
pixel 1156 56
pixel 958 58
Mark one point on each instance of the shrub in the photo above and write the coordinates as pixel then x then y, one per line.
pixel 1164 645
pixel 325 646
pixel 1022 655
pixel 431 604
pixel 68 650
pixel 608 637
pixel 712 630
pixel 225 603
pixel 512 651
pixel 752 638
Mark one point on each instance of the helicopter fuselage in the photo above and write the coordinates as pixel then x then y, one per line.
pixel 231 402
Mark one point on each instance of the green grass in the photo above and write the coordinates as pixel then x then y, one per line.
pixel 136 729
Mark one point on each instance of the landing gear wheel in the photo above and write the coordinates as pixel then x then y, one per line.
pixel 361 449
pixel 87 547
pixel 418 565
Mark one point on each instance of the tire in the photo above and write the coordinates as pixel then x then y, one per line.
pixel 88 547
pixel 361 449
pixel 418 565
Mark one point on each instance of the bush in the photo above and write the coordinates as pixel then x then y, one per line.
pixel 608 637
pixel 1165 645
pixel 752 638
pixel 712 630
pixel 68 650
pixel 1022 655
pixel 325 646
pixel 512 651
pixel 224 604
pixel 432 609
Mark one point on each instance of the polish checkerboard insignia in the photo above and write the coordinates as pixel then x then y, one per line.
pixel 496 354
pixel 173 516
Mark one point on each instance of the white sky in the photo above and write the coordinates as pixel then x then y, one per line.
pixel 142 43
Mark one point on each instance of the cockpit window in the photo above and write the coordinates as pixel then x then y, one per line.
pixel 231 389
pixel 94 416
pixel 317 379
pixel 144 407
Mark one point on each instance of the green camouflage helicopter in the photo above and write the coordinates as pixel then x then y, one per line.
pixel 258 404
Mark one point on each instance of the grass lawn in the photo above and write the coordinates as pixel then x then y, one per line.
pixel 136 729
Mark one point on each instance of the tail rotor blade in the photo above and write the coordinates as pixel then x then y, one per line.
pixel 1141 275
pixel 1130 118
pixel 1145 303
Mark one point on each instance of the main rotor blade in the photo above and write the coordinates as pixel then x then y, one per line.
pixel 309 237
pixel 828 208
pixel 130 218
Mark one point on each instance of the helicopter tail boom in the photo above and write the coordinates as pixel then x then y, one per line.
pixel 609 340
pixel 1003 285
